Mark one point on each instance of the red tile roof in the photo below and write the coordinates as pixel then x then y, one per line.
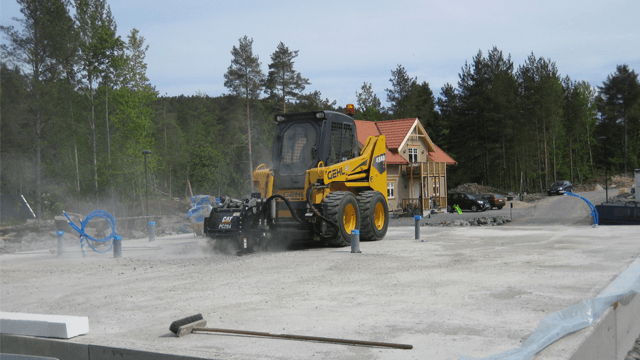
pixel 395 158
pixel 366 129
pixel 396 132
pixel 441 156
pixel 369 128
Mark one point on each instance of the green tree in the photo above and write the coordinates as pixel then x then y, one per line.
pixel 619 103
pixel 478 115
pixel 44 48
pixel 283 81
pixel 313 101
pixel 369 106
pixel 134 114
pixel 401 85
pixel 99 46
pixel 421 103
pixel 542 99
pixel 448 108
pixel 245 79
pixel 580 117
pixel 15 150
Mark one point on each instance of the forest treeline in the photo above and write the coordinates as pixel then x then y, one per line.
pixel 77 112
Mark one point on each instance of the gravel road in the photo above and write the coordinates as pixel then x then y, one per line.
pixel 550 211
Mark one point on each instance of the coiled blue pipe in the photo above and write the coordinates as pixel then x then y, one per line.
pixel 594 212
pixel 83 235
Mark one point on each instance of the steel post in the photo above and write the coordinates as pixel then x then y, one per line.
pixel 152 231
pixel 60 234
pixel 117 246
pixel 355 241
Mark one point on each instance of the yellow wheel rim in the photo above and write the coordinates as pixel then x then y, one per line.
pixel 349 218
pixel 379 216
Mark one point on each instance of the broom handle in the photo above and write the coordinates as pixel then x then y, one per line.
pixel 302 337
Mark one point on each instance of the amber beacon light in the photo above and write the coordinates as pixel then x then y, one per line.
pixel 351 110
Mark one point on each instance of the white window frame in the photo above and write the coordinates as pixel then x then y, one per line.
pixel 391 189
pixel 413 151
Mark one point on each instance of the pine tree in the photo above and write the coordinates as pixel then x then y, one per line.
pixel 401 85
pixel 245 79
pixel 44 47
pixel 283 81
pixel 421 103
pixel 619 102
pixel 369 106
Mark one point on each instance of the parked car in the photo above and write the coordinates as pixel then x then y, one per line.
pixel 494 200
pixel 465 201
pixel 560 187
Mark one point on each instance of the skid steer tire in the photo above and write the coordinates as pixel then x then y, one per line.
pixel 374 214
pixel 342 208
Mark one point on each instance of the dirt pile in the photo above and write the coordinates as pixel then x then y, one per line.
pixel 599 182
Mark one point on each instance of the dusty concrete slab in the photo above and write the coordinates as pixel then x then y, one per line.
pixel 473 291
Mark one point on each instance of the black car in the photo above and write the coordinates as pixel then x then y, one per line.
pixel 560 187
pixel 466 201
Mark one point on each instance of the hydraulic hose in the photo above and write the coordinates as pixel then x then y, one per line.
pixel 333 224
pixel 286 201
pixel 83 235
pixel 295 216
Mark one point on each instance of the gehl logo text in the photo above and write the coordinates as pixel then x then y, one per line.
pixel 293 194
pixel 335 173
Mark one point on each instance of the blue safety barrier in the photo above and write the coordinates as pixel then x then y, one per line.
pixel 84 236
pixel 594 212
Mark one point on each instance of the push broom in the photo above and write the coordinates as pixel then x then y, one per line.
pixel 197 323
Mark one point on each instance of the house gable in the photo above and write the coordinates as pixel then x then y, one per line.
pixel 400 133
pixel 424 180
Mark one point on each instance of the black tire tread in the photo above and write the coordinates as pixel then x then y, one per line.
pixel 332 203
pixel 365 202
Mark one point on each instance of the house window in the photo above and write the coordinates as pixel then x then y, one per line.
pixel 391 190
pixel 413 155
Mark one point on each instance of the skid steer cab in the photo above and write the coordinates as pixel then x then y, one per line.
pixel 321 187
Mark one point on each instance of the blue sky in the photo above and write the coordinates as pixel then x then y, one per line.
pixel 343 44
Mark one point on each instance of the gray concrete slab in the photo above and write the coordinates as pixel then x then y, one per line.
pixel 473 291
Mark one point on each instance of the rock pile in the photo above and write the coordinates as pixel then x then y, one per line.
pixel 481 221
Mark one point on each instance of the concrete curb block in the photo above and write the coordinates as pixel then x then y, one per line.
pixel 26 345
pixel 614 334
pixel 54 326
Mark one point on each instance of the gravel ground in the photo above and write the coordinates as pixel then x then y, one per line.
pixel 473 290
